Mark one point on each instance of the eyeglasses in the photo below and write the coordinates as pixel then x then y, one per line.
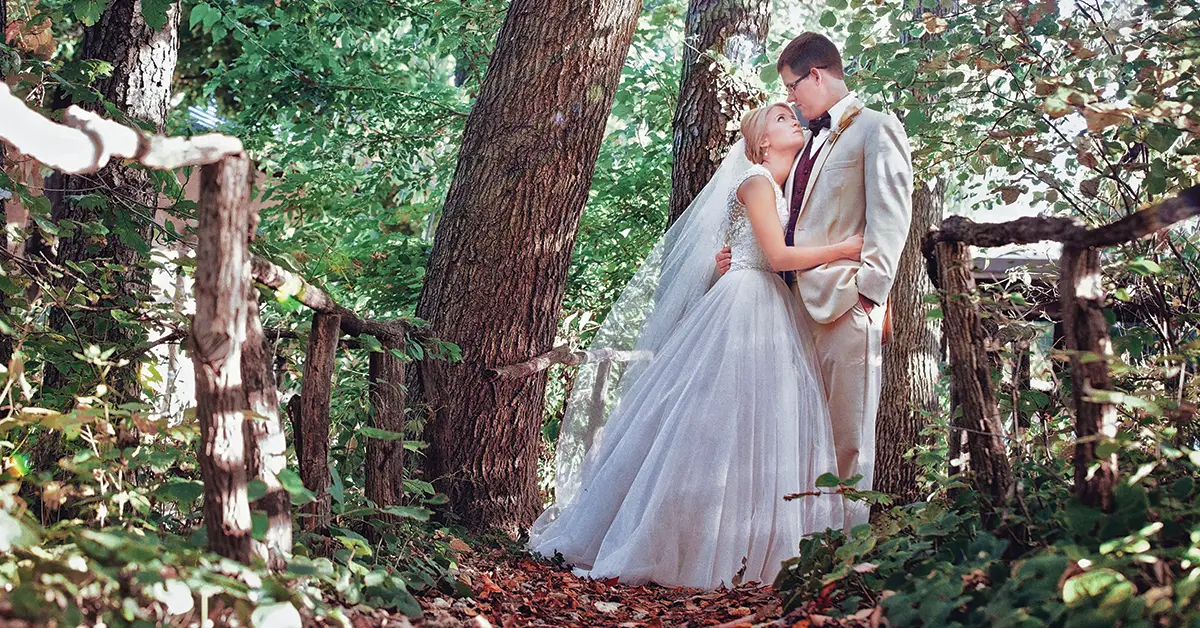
pixel 793 84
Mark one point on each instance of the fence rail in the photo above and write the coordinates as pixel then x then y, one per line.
pixel 235 380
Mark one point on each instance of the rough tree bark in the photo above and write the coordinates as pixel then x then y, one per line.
pixel 143 62
pixel 5 339
pixel 709 99
pixel 385 458
pixel 218 333
pixel 315 392
pixel 1081 287
pixel 911 359
pixel 971 371
pixel 501 253
pixel 266 442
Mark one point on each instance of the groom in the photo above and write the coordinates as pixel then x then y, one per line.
pixel 853 177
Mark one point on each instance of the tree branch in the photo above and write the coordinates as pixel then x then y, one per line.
pixel 273 276
pixel 86 142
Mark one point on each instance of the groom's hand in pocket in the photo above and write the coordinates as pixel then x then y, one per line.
pixel 724 259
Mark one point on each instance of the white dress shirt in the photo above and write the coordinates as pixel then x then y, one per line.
pixel 835 115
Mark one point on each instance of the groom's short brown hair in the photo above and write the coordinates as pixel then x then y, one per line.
pixel 808 51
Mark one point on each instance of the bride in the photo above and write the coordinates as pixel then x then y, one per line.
pixel 720 413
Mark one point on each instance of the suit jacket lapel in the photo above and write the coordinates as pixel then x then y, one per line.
pixel 823 156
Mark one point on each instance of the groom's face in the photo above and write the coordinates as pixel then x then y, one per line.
pixel 802 91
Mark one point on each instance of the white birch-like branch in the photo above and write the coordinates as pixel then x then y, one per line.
pixel 86 142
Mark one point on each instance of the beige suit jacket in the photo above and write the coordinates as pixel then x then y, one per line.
pixel 861 184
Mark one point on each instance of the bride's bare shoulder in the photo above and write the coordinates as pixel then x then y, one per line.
pixel 756 186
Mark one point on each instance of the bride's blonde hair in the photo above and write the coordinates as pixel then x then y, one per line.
pixel 754 129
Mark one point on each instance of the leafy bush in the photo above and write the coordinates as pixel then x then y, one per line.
pixel 1047 561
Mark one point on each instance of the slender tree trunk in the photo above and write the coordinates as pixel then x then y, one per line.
pixel 385 458
pixel 1081 287
pixel 266 443
pixel 218 335
pixel 911 359
pixel 139 85
pixel 501 253
pixel 1020 384
pixel 971 370
pixel 710 98
pixel 315 393
pixel 5 339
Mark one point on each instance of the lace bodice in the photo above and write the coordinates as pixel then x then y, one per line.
pixel 739 237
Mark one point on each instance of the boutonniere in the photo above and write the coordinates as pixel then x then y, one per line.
pixel 844 122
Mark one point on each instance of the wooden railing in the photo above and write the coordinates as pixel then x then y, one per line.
pixel 242 435
pixel 1081 294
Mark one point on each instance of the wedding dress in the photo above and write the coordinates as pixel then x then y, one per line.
pixel 685 484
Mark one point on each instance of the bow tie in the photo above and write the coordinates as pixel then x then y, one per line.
pixel 820 122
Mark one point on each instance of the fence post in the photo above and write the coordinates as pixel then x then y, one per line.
pixel 315 392
pixel 385 458
pixel 266 442
pixel 1086 330
pixel 970 370
pixel 218 331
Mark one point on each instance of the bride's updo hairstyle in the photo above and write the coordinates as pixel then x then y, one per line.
pixel 754 129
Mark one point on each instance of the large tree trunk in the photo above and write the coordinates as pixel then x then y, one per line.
pixel 911 359
pixel 500 257
pixel 710 98
pixel 218 334
pixel 143 62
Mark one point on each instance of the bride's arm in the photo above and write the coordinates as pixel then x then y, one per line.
pixel 758 196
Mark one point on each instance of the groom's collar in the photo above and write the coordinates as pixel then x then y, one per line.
pixel 840 107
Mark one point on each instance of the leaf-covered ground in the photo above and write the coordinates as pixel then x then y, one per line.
pixel 515 590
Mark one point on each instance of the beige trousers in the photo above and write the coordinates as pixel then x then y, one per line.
pixel 850 353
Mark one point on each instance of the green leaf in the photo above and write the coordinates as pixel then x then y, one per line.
pixel 828 19
pixel 336 488
pixel 89 11
pixel 256 489
pixel 258 525
pixel 374 432
pixel 155 13
pixel 197 14
pixel 828 480
pixel 181 491
pixel 92 201
pixel 418 486
pixel 1144 267
pixel 769 74
pixel 1112 586
pixel 292 483
pixel 408 512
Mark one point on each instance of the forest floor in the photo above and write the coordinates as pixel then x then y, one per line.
pixel 514 590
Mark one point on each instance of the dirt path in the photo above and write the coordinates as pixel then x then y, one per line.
pixel 517 591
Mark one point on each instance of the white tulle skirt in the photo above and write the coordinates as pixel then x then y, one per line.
pixel 686 486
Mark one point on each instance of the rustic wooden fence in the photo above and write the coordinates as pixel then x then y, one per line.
pixel 242 434
pixel 241 426
pixel 1082 297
